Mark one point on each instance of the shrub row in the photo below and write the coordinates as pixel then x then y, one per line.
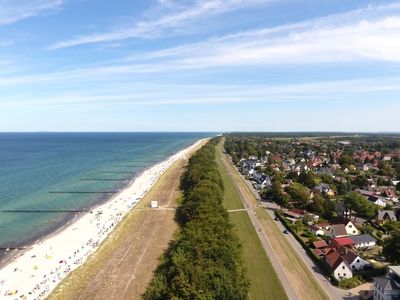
pixel 317 260
pixel 204 262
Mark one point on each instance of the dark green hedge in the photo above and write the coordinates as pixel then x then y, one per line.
pixel 205 260
pixel 317 260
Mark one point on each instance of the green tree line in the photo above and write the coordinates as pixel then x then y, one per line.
pixel 205 260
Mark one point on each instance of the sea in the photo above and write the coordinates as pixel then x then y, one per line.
pixel 47 179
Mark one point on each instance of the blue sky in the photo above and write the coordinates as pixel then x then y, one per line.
pixel 199 65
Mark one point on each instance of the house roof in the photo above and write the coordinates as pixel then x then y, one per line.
pixel 363 238
pixel 339 230
pixel 365 192
pixel 382 214
pixel 395 269
pixel 318 252
pixel 343 241
pixel 386 283
pixel 318 226
pixel 298 211
pixel 320 244
pixel 292 214
pixel 333 260
pixel 349 256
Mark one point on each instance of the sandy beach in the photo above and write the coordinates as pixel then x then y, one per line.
pixel 37 271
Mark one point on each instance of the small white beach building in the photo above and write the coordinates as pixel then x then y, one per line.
pixel 154 204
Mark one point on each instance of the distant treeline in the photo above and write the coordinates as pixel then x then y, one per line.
pixel 204 262
pixel 301 134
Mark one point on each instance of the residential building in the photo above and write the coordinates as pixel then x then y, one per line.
pixel 363 241
pixel 342 242
pixel 351 229
pixel 384 216
pixel 388 287
pixel 337 230
pixel 318 229
pixel 339 267
pixel 354 261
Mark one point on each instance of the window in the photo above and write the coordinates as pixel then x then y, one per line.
pixel 358 260
pixel 353 267
pixel 343 267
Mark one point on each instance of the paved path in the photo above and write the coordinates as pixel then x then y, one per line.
pixel 236 210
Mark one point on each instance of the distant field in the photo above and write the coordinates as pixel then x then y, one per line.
pixel 265 283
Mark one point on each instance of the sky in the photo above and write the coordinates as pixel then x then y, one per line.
pixel 199 65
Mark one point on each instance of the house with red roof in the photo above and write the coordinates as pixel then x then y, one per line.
pixel 320 244
pixel 339 267
pixel 343 262
pixel 338 243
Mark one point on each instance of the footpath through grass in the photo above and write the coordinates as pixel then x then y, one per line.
pixel 265 284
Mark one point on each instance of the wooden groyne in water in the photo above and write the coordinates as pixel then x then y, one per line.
pixel 112 172
pixel 83 192
pixel 12 248
pixel 43 210
pixel 104 179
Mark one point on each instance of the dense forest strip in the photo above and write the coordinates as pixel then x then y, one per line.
pixel 205 261
pixel 264 282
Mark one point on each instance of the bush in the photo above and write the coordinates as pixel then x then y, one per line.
pixel 317 260
pixel 368 274
pixel 350 283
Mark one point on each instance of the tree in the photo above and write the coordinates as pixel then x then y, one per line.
pixel 361 182
pixel 346 159
pixel 329 209
pixel 359 204
pixel 309 179
pixel 391 248
pixel 283 200
pixel 318 204
pixel 343 187
pixel 299 193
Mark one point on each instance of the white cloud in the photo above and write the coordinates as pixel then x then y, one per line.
pixel 160 95
pixel 12 11
pixel 177 15
pixel 369 34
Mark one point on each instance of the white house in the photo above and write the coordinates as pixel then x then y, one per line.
pixel 339 267
pixel 363 241
pixel 351 229
pixel 354 261
pixel 379 201
pixel 318 229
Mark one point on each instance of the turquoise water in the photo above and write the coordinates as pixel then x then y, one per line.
pixel 36 167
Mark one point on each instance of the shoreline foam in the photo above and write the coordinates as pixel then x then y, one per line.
pixel 43 265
